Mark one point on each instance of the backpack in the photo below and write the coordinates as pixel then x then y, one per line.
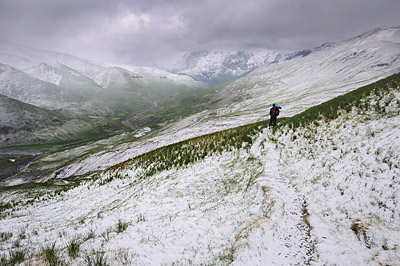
pixel 275 111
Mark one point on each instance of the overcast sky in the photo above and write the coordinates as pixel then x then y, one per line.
pixel 155 32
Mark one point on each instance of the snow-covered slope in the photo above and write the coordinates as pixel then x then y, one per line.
pixel 221 66
pixel 312 77
pixel 323 194
pixel 83 86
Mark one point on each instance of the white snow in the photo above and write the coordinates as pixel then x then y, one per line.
pixel 142 132
pixel 348 171
pixel 46 73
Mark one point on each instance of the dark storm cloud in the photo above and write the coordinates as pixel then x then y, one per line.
pixel 152 31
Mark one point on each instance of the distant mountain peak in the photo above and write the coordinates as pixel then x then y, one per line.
pixel 391 33
pixel 222 65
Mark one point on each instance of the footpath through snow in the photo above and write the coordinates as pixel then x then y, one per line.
pixel 286 237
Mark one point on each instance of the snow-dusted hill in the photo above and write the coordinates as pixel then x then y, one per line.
pixel 323 194
pixel 221 66
pixel 62 81
pixel 314 76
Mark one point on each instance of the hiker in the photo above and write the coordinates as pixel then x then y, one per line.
pixel 273 112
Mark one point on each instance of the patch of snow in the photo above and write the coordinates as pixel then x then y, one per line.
pixel 142 132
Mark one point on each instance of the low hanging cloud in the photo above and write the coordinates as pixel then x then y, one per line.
pixel 155 32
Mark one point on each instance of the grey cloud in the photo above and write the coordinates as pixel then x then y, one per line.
pixel 149 32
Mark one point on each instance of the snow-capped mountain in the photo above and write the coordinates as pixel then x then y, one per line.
pixel 312 76
pixel 65 82
pixel 221 66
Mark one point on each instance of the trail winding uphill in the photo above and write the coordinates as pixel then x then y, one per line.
pixel 285 234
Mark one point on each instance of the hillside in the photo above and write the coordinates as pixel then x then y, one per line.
pixel 322 188
pixel 28 132
pixel 24 124
pixel 63 82
pixel 315 76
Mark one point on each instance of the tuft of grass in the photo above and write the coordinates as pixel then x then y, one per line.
pixel 51 256
pixel 4 236
pixel 22 235
pixel 140 218
pixel 16 257
pixel 106 235
pixel 99 259
pixel 3 259
pixel 90 235
pixel 121 226
pixel 73 247
pixel 16 243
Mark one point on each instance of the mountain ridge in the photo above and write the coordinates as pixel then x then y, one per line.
pixel 108 85
pixel 221 66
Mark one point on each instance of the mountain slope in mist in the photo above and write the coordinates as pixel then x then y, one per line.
pixel 61 81
pixel 222 66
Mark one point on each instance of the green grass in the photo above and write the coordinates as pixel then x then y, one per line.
pixel 39 167
pixel 8 168
pixel 73 247
pixel 16 257
pixel 121 226
pixel 51 255
pixel 97 128
pixel 4 236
